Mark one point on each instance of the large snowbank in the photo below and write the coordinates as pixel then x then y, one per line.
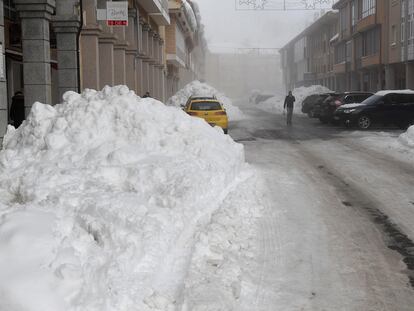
pixel 101 199
pixel 407 138
pixel 275 104
pixel 196 88
pixel 224 260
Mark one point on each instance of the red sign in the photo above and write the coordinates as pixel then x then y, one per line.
pixel 116 23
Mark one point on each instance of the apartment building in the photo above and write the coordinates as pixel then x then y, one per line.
pixel 373 48
pixel 185 45
pixel 308 58
pixel 52 46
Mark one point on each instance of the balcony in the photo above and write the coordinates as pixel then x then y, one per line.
pixel 366 23
pixel 339 68
pixel 177 59
pixel 371 60
pixel 158 10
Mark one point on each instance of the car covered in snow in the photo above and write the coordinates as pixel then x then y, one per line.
pixel 209 109
pixel 384 108
pixel 312 101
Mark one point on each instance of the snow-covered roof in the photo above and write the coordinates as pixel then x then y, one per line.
pixel 189 12
pixel 385 92
pixel 334 38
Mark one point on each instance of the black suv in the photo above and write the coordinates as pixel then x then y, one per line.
pixel 385 107
pixel 334 101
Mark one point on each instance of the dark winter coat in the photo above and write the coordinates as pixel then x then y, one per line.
pixel 289 101
pixel 17 109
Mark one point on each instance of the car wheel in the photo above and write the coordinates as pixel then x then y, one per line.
pixel 310 114
pixel 364 122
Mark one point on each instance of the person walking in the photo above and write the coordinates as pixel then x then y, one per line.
pixel 17 109
pixel 288 105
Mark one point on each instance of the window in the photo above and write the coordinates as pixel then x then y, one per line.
pixel 354 15
pixel 340 53
pixel 343 20
pixel 393 35
pixel 371 42
pixel 368 8
pixel 206 106
pixel 9 10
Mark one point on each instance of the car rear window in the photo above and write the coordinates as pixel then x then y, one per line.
pixel 206 106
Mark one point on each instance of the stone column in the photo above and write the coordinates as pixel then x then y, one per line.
pixel 389 77
pixel 145 56
pixel 120 47
pixel 66 26
pixel 151 63
pixel 132 50
pixel 106 59
pixel 409 73
pixel 89 46
pixel 3 84
pixel 35 17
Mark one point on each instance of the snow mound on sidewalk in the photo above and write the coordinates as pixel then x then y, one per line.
pixel 275 104
pixel 101 198
pixel 407 138
pixel 220 277
pixel 196 88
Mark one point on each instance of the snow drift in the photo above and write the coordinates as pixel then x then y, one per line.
pixel 101 199
pixel 196 88
pixel 407 138
pixel 275 104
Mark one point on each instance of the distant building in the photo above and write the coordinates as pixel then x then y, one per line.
pixel 308 58
pixel 373 48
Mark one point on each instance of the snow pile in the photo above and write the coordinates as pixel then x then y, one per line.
pixel 101 199
pixel 275 104
pixel 220 276
pixel 407 138
pixel 196 88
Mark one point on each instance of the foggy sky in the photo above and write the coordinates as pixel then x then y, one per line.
pixel 226 27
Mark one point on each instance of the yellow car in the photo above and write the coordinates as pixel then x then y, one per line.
pixel 209 109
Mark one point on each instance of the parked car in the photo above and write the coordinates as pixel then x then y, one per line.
pixel 334 101
pixel 315 112
pixel 309 102
pixel 383 108
pixel 209 109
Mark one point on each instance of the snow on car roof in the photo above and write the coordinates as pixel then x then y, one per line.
pixel 386 92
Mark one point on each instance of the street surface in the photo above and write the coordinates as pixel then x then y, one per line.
pixel 338 232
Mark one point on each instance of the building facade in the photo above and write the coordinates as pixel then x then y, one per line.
pixel 373 48
pixel 52 46
pixel 185 45
pixel 308 58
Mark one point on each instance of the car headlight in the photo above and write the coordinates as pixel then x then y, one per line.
pixel 349 110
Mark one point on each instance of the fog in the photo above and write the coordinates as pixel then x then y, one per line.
pixel 252 37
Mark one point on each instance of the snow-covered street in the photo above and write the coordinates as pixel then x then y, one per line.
pixel 151 209
pixel 331 235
